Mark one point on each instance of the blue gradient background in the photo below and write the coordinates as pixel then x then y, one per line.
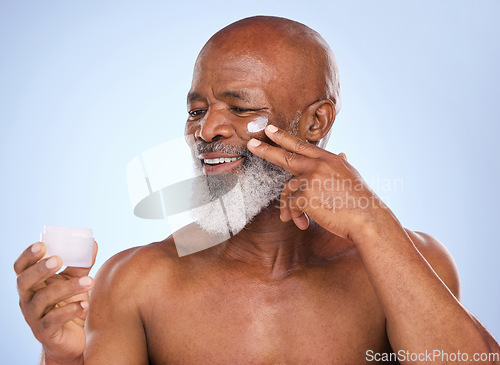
pixel 86 86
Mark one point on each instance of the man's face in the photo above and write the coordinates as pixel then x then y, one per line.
pixel 228 92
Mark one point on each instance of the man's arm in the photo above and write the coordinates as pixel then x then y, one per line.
pixel 417 284
pixel 422 313
pixel 115 333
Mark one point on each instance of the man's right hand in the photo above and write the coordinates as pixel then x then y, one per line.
pixel 54 305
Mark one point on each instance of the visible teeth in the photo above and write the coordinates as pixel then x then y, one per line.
pixel 215 161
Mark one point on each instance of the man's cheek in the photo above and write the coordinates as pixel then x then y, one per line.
pixel 257 125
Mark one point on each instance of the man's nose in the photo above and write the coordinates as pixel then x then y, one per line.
pixel 214 126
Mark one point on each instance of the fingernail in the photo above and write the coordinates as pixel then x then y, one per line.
pixel 271 128
pixel 85 281
pixel 84 304
pixel 254 142
pixel 51 263
pixel 36 248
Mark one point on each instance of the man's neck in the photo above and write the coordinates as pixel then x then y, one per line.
pixel 278 248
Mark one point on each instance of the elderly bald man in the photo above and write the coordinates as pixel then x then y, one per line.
pixel 315 277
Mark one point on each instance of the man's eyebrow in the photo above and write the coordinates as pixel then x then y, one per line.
pixel 193 96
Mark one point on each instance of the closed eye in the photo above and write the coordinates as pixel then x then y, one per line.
pixel 242 110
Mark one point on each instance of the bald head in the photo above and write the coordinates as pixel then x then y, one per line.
pixel 270 67
pixel 302 61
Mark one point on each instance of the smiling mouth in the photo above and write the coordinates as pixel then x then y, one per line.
pixel 221 160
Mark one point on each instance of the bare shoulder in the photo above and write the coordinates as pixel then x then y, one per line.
pixel 128 279
pixel 439 258
pixel 134 265
pixel 139 271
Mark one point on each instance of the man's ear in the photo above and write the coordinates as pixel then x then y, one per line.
pixel 318 120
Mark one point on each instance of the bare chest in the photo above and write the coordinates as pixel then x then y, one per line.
pixel 298 322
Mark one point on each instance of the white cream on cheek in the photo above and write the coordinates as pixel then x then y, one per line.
pixel 258 124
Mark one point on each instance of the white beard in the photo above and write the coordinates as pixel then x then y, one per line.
pixel 256 185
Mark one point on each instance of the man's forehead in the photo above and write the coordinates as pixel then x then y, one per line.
pixel 237 63
pixel 233 76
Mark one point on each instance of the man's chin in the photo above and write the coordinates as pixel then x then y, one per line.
pixel 238 196
pixel 220 185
